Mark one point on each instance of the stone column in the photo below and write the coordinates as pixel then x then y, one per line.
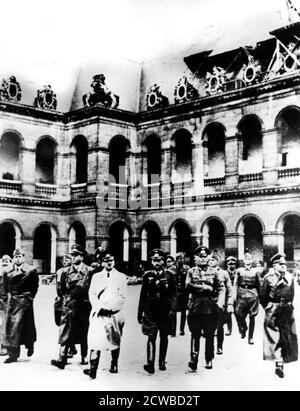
pixel 93 171
pixel 270 155
pixel 63 175
pixel 166 243
pixel 27 170
pixel 232 160
pixel 166 175
pixel 271 244
pixel 198 168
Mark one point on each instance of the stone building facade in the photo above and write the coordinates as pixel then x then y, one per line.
pixel 219 165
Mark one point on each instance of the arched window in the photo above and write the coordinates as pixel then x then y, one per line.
pixel 153 158
pixel 288 124
pixel 118 148
pixel 214 150
pixel 10 156
pixel 44 249
pixel 77 234
pixel 250 139
pixel 79 160
pixel 150 237
pixel 46 161
pixel 181 156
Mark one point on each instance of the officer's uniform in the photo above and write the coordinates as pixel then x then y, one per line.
pixel 231 274
pixel 206 300
pixel 223 316
pixel 277 294
pixel 246 289
pixel 75 308
pixel 180 273
pixel 157 305
pixel 22 284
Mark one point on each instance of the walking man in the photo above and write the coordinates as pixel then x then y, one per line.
pixel 246 289
pixel 156 309
pixel 107 295
pixel 214 261
pixel 231 263
pixel 75 282
pixel 207 299
pixel 277 295
pixel 22 283
pixel 180 271
pixel 6 264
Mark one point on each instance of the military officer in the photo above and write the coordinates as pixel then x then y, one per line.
pixel 276 297
pixel 231 264
pixel 75 282
pixel 22 283
pixel 246 291
pixel 156 308
pixel 214 261
pixel 6 264
pixel 180 271
pixel 107 295
pixel 170 261
pixel 207 299
pixel 66 262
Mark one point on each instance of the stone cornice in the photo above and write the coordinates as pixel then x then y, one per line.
pixel 91 201
pixel 174 111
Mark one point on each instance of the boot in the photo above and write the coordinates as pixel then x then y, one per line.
pixel 229 325
pixel 279 369
pixel 94 362
pixel 84 351
pixel 251 330
pixel 114 361
pixel 13 354
pixel 195 342
pixel 208 365
pixel 162 353
pixel 149 367
pixel 62 359
pixel 30 350
pixel 72 351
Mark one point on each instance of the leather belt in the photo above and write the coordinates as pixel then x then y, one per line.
pixel 248 287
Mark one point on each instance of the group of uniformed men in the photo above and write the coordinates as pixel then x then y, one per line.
pixel 88 307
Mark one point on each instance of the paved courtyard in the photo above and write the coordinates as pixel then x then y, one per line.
pixel 240 367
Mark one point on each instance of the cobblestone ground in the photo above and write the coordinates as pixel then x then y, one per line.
pixel 240 367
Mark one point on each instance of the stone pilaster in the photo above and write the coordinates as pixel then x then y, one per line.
pixel 232 160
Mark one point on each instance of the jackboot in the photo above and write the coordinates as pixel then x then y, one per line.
pixel 163 346
pixel 94 362
pixel 195 345
pixel 279 369
pixel 149 367
pixel 62 359
pixel 251 330
pixel 114 361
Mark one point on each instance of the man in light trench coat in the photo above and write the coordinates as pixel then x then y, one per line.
pixel 107 295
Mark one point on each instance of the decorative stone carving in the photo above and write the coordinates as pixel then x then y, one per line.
pixel 10 90
pixel 215 80
pixel 292 58
pixel 46 98
pixel 101 95
pixel 185 91
pixel 155 99
pixel 251 72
